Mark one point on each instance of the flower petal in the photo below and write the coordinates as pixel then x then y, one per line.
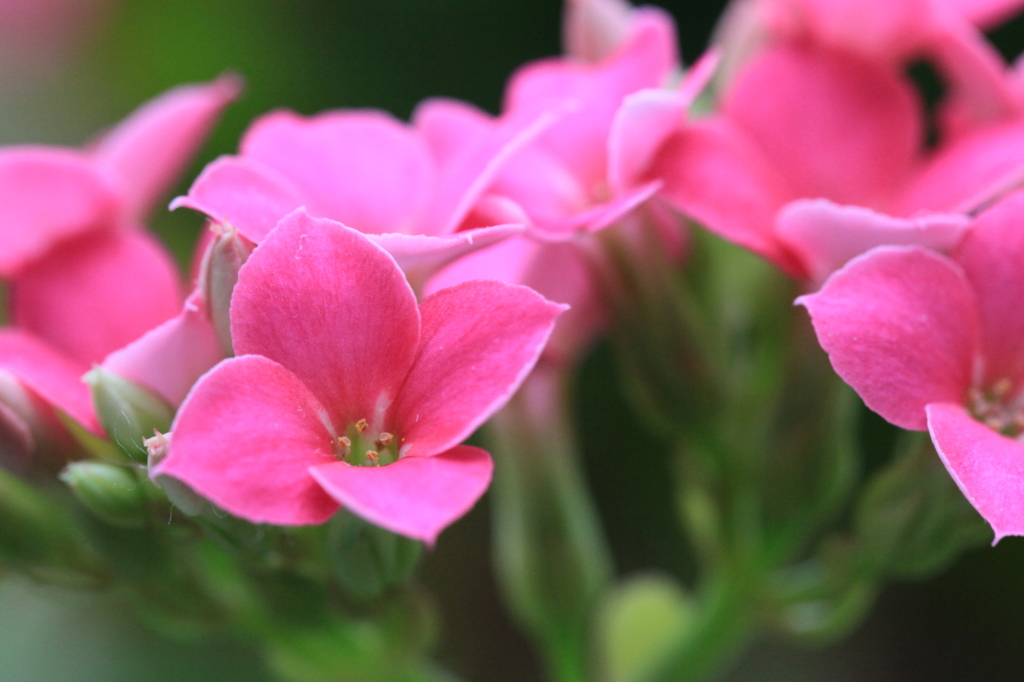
pixel 55 378
pixel 170 358
pixel 580 139
pixel 246 437
pixel 479 341
pixel 420 255
pixel 333 308
pixel 834 125
pixel 826 235
pixel 47 196
pixel 714 175
pixel 644 122
pixel 415 496
pixel 992 256
pixel 147 151
pixel 362 168
pixel 244 193
pixel 987 467
pixel 900 326
pixel 93 295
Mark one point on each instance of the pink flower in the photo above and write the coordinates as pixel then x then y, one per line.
pixel 582 173
pixel 339 367
pixel 934 342
pixel 86 277
pixel 409 186
pixel 804 135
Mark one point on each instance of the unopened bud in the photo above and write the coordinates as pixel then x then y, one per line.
pixel 224 257
pixel 28 426
pixel 179 494
pixel 128 412
pixel 110 491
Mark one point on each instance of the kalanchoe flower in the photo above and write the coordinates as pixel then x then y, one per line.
pixel 803 124
pixel 934 342
pixel 346 392
pixel 86 277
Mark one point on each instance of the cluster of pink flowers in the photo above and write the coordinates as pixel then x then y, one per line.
pixel 372 291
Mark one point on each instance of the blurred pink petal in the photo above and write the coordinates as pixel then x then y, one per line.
pixel 345 162
pixel 825 235
pixel 147 152
pixel 55 378
pixel 93 295
pixel 46 196
pixel 170 358
pixel 415 496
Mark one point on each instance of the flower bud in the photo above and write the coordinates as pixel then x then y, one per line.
pixel 111 492
pixel 179 494
pixel 225 255
pixel 28 426
pixel 128 412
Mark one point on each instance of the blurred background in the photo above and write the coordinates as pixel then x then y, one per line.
pixel 69 68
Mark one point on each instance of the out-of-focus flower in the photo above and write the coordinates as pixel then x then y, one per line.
pixel 346 392
pixel 933 342
pixel 801 123
pixel 86 278
pixel 579 175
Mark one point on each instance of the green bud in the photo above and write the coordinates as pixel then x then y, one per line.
pixel 639 620
pixel 912 520
pixel 218 276
pixel 128 412
pixel 366 559
pixel 111 492
pixel 31 529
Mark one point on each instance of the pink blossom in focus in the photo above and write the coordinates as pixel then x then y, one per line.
pixel 338 366
pixel 933 342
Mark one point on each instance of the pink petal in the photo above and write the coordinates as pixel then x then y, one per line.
pixel 479 341
pixel 362 168
pixel 506 261
pixel 246 437
pixel 608 213
pixel 992 256
pixel 333 308
pixel 714 175
pixel 646 120
pixel 95 294
pixel 579 140
pixel 900 326
pixel 987 467
pixel 244 193
pixel 170 358
pixel 826 235
pixel 147 151
pixel 420 256
pixel 984 13
pixel 835 126
pixel 55 378
pixel 969 172
pixel 415 496
pixel 979 89
pixel 47 196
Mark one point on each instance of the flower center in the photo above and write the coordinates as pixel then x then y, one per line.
pixel 362 447
pixel 997 409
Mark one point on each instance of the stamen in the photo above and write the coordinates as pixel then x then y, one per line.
pixel 384 440
pixel 373 457
pixel 361 425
